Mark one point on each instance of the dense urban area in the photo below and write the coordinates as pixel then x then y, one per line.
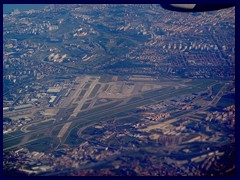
pixel 118 90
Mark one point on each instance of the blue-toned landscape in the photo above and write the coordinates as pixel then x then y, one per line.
pixel 118 90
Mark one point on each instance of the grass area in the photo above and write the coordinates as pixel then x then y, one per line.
pixel 200 81
pixel 94 110
pixel 127 139
pixel 117 114
pixel 157 92
pixel 203 85
pixel 82 92
pixel 87 86
pixel 98 102
pixel 134 99
pixel 37 135
pixel 56 130
pixel 92 131
pixel 105 87
pixel 14 133
pixel 133 106
pixel 65 117
pixel 216 88
pixel 187 91
pixel 72 130
pixel 92 78
pixel 124 109
pixel 45 144
pixel 105 78
pixel 6 136
pixel 12 142
pixel 88 101
pixel 95 90
pixel 65 113
pixel 165 94
pixel 73 138
pixel 226 100
pixel 127 120
pixel 85 105
pixel 36 126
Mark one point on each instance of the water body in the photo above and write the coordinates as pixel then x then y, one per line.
pixel 8 8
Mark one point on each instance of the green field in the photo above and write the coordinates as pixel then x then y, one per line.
pixel 37 135
pixel 82 92
pixel 98 109
pixel 134 99
pixel 73 138
pixel 169 92
pixel 87 86
pixel 56 130
pixel 37 125
pixel 98 102
pixel 14 133
pixel 127 120
pixel 201 82
pixel 45 144
pixel 95 90
pixel 216 88
pixel 6 136
pixel 12 142
pixel 85 105
pixel 157 92
pixel 226 100
pixel 105 87
pixel 105 78
pixel 67 113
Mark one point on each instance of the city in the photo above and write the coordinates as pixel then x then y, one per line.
pixel 127 90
